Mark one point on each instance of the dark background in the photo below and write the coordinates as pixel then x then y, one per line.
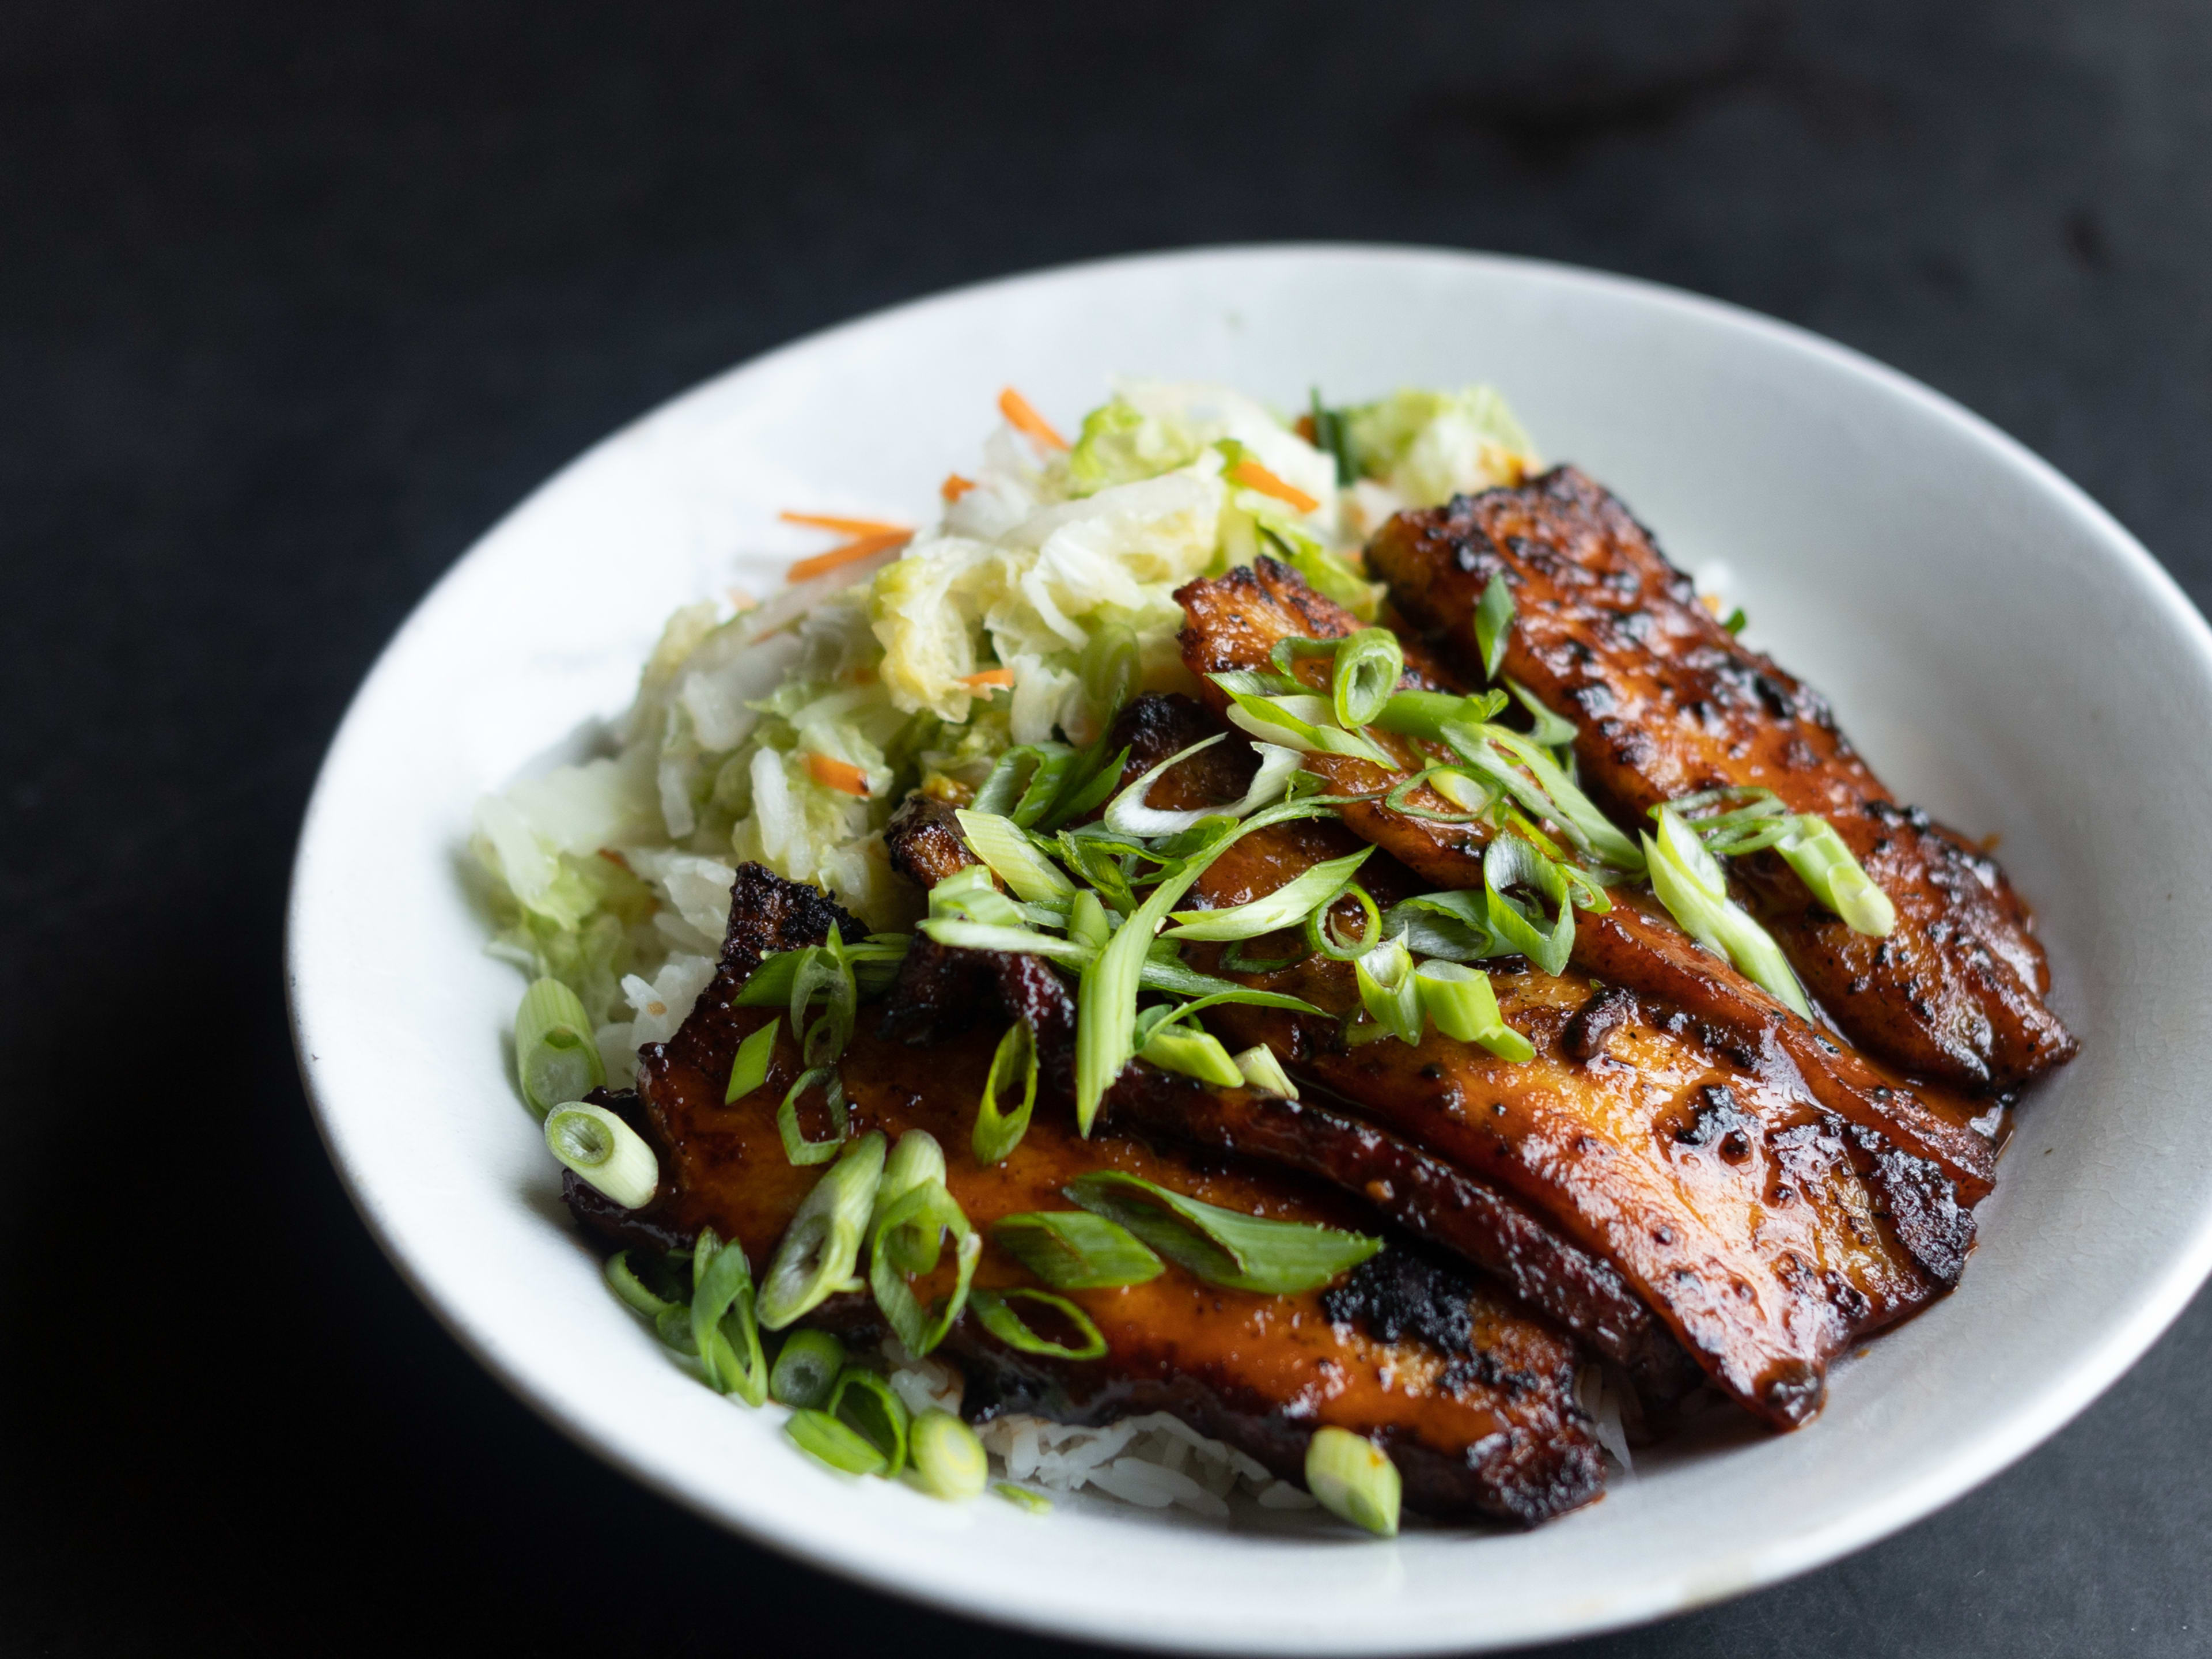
pixel 296 302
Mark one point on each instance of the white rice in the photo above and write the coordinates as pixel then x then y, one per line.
pixel 1595 1393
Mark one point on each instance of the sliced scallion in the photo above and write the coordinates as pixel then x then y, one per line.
pixel 997 1133
pixel 1509 864
pixel 806 1369
pixel 1834 877
pixel 1368 664
pixel 605 1153
pixel 1022 1497
pixel 908 1240
pixel 995 1308
pixel 796 1147
pixel 821 1245
pixel 1288 906
pixel 724 1327
pixel 1462 1003
pixel 1387 990
pixel 948 1461
pixel 557 1058
pixel 1076 1250
pixel 915 1160
pixel 1689 883
pixel 1007 849
pixel 826 1440
pixel 1321 927
pixel 1127 814
pixel 624 1281
pixel 1263 1072
pixel 1300 721
pixel 1493 625
pixel 1353 1478
pixel 749 1069
pixel 868 1405
pixel 1174 1047
pixel 1223 1246
pixel 1553 731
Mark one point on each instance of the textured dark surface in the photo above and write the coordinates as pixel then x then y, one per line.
pixel 294 303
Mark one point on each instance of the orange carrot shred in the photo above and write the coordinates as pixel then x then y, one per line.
pixel 844 526
pixel 821 562
pixel 1024 418
pixel 990 678
pixel 834 773
pixel 955 486
pixel 1253 475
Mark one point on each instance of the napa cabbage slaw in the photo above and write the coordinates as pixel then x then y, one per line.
pixel 787 732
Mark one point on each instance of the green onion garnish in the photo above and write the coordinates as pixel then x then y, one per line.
pixel 1106 998
pixel 1509 863
pixel 1689 883
pixel 1462 1004
pixel 1014 857
pixel 1263 1072
pixel 796 1148
pixel 623 1280
pixel 724 1328
pixel 749 1070
pixel 556 1057
pixel 1553 731
pixel 908 1239
pixel 1333 434
pixel 874 962
pixel 1834 877
pixel 1048 764
pixel 949 1461
pixel 1321 927
pixel 995 1308
pixel 1288 906
pixel 1493 625
pixel 1387 990
pixel 1353 1478
pixel 1022 1497
pixel 997 1133
pixel 1076 1250
pixel 806 1369
pixel 915 1161
pixel 826 1440
pixel 1127 814
pixel 605 1153
pixel 822 1243
pixel 1368 664
pixel 1736 621
pixel 1298 720
pixel 1223 1246
pixel 1174 1047
pixel 865 1404
pixel 1324 572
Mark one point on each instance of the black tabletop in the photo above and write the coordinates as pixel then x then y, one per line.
pixel 296 300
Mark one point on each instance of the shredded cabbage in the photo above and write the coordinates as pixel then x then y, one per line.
pixel 614 876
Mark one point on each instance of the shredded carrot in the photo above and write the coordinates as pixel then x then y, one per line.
pixel 1303 426
pixel 613 857
pixel 955 486
pixel 1024 418
pixel 861 549
pixel 1253 475
pixel 844 526
pixel 998 678
pixel 833 774
pixel 1712 602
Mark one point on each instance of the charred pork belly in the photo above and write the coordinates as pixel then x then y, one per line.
pixel 1606 632
pixel 1768 1234
pixel 1486 1425
pixel 1232 623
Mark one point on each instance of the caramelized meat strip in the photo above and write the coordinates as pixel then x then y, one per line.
pixel 1233 622
pixel 1766 1233
pixel 1608 633
pixel 1425 1196
pixel 1491 1428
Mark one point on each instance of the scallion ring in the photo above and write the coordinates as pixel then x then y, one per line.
pixel 724 1327
pixel 557 1058
pixel 867 1404
pixel 796 1148
pixel 806 1369
pixel 821 1245
pixel 1400 799
pixel 1174 1047
pixel 604 1153
pixel 946 1459
pixel 915 1160
pixel 1288 906
pixel 908 1240
pixel 995 1308
pixel 1368 664
pixel 1264 1071
pixel 624 1281
pixel 998 1132
pixel 1321 926
pixel 1462 1004
pixel 1223 1246
pixel 1387 990
pixel 1353 1478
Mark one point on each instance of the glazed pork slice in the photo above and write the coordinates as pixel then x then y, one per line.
pixel 1492 1232
pixel 1609 634
pixel 1489 1427
pixel 1234 621
pixel 1768 1234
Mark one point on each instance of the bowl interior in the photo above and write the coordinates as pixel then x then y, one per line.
pixel 2001 651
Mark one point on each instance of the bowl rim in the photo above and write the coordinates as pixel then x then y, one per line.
pixel 2160 1299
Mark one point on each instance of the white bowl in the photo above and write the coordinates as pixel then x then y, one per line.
pixel 2002 650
